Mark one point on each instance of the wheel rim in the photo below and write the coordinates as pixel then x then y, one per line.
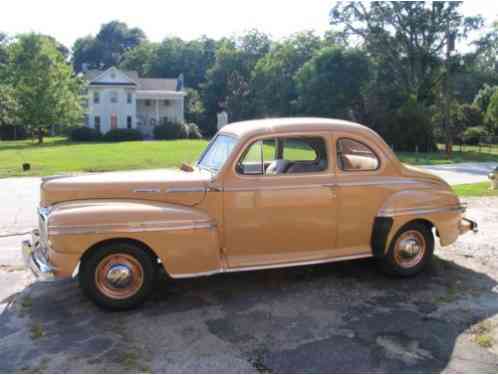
pixel 409 249
pixel 119 276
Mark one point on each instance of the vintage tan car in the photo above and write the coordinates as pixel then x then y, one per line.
pixel 264 194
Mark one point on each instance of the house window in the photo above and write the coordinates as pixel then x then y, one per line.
pixel 147 103
pixel 129 98
pixel 86 121
pixel 129 122
pixel 97 123
pixel 96 97
pixel 166 102
pixel 114 97
pixel 164 121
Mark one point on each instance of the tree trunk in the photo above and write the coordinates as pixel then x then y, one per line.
pixel 40 135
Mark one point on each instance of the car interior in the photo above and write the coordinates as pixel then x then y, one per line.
pixel 284 156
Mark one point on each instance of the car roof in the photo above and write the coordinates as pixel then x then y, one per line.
pixel 244 129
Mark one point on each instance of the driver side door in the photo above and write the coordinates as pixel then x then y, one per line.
pixel 283 218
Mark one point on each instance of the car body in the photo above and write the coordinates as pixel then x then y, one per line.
pixel 265 194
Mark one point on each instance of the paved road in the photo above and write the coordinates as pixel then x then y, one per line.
pixel 343 317
pixel 462 173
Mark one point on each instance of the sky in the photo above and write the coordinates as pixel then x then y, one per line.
pixel 68 20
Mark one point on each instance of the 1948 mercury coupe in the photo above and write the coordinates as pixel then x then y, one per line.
pixel 264 194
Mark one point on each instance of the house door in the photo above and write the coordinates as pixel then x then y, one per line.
pixel 114 121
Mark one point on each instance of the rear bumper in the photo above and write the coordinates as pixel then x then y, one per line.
pixel 36 260
pixel 466 225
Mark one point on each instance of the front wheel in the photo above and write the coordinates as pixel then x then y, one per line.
pixel 117 276
pixel 410 251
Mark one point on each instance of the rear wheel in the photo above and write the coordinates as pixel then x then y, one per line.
pixel 118 276
pixel 410 250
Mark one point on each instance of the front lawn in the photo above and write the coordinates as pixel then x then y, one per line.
pixel 58 155
pixel 480 189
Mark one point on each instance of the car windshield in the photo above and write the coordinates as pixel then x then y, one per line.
pixel 217 152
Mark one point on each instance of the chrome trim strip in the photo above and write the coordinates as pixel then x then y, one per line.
pixel 273 188
pixel 186 190
pixel 272 266
pixel 381 182
pixel 147 190
pixel 150 226
pixel 390 212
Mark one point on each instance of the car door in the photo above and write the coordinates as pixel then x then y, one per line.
pixel 282 216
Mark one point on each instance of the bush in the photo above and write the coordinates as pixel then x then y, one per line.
pixel 171 130
pixel 410 127
pixel 10 132
pixel 473 134
pixel 122 135
pixel 84 134
pixel 193 131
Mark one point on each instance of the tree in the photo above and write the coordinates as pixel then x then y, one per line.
pixel 331 83
pixel 483 97
pixel 194 108
pixel 492 114
pixel 108 47
pixel 8 106
pixel 273 76
pixel 46 89
pixel 487 50
pixel 409 37
pixel 228 81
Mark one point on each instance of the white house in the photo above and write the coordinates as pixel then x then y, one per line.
pixel 118 99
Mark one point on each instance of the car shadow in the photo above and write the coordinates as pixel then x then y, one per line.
pixel 341 317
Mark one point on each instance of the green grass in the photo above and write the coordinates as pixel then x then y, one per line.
pixel 58 155
pixel 480 189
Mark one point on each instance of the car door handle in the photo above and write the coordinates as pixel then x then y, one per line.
pixel 332 187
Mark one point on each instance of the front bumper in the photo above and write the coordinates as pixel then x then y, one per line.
pixel 35 258
pixel 466 225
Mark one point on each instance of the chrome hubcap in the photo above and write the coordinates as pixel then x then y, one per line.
pixel 119 276
pixel 409 249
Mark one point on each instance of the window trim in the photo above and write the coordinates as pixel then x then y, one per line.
pixel 329 170
pixel 339 164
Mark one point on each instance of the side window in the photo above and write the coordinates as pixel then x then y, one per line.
pixel 356 156
pixel 257 157
pixel 304 154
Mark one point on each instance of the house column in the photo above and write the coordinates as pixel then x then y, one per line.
pixel 157 111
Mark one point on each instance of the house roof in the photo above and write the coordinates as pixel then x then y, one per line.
pixel 144 84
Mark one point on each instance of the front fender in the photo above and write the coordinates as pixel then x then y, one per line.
pixel 184 238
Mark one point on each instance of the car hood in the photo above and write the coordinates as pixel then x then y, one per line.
pixel 169 186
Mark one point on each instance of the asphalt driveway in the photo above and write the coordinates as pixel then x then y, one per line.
pixel 342 317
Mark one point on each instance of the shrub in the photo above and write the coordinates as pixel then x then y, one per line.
pixel 410 127
pixel 122 135
pixel 492 113
pixel 84 134
pixel 171 130
pixel 472 115
pixel 11 132
pixel 193 131
pixel 473 134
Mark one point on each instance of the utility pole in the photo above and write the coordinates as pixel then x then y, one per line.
pixel 450 46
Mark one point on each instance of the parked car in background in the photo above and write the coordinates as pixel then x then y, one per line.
pixel 264 194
